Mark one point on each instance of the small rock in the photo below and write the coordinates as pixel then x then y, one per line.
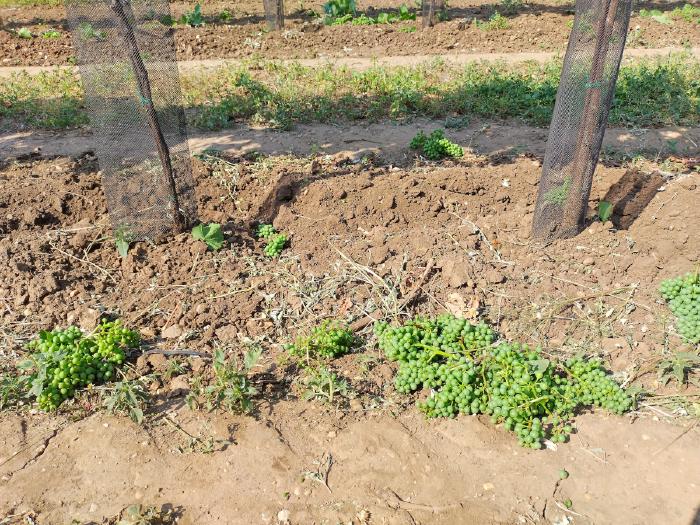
pixel 455 272
pixel 172 332
pixel 494 276
pixel 356 405
pixel 197 364
pixel 178 386
pixel 488 486
pixel 88 318
pixel 588 261
pixel 142 363
pixel 283 516
pixel 157 361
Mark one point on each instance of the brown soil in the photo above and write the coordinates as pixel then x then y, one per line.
pixel 596 292
pixel 540 26
pixel 387 140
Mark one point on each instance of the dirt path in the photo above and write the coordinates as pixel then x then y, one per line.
pixel 386 139
pixel 398 471
pixel 361 63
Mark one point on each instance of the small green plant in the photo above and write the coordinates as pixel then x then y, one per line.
pixel 127 397
pixel 275 241
pixel 364 20
pixel 326 341
pixel 88 32
pixel 14 389
pixel 511 6
pixel 321 383
pixel 64 361
pixel 656 16
pixel 495 22
pixel 435 146
pixel 145 515
pixel 683 297
pixel 558 194
pixel 225 16
pixel 51 33
pixel 404 14
pixel 688 12
pixel 408 29
pixel 605 211
pixel 24 33
pixel 210 234
pixel 679 367
pixel 123 239
pixel 193 19
pixel 231 388
pixel 339 8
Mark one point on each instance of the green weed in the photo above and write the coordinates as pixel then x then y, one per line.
pixel 230 388
pixel 688 12
pixel 321 383
pixel 14 390
pixel 558 194
pixel 656 15
pixel 649 93
pixel 495 22
pixel 128 397
pixel 194 18
pixel 51 33
pixel 679 367
pixel 24 33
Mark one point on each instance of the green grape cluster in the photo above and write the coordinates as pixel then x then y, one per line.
pixel 265 231
pixel 275 241
pixel 435 146
pixel 467 373
pixel 275 245
pixel 328 340
pixel 64 361
pixel 683 297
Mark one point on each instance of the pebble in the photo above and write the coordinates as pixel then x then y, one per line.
pixel 588 261
pixel 494 276
pixel 172 332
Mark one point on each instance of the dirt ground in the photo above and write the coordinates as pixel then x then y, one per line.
pixel 363 230
pixel 537 26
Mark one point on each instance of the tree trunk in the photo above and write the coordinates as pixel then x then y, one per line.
pixel 124 15
pixel 572 154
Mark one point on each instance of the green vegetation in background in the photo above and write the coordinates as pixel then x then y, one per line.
pixel 650 92
pixel 29 3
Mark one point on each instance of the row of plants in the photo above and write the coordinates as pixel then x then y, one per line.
pixel 648 93
pixel 451 365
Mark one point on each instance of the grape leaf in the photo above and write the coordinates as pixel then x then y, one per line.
pixel 210 234
pixel 605 210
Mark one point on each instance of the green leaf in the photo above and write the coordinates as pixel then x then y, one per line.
pixel 542 365
pixel 605 210
pixel 122 247
pixel 251 358
pixel 210 234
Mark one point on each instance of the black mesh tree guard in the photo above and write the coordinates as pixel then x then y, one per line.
pixel 583 102
pixel 127 62
pixel 274 14
pixel 431 11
